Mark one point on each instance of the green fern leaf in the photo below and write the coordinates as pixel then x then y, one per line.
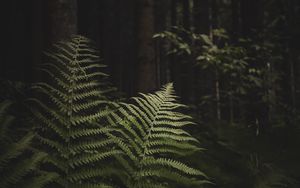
pixel 67 126
pixel 151 135
pixel 18 161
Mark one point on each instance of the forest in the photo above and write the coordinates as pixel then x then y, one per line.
pixel 150 94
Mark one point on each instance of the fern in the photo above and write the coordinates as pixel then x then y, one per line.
pixel 68 125
pixel 18 161
pixel 152 138
pixel 145 138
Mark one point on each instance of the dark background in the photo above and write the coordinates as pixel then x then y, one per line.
pixel 123 31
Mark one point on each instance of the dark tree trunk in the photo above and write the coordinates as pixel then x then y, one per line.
pixel 235 32
pixel 17 41
pixel 174 64
pixel 60 19
pixel 188 66
pixel 89 20
pixel 186 14
pixel 252 20
pixel 37 36
pixel 205 78
pixel 128 48
pixel 251 16
pixel 174 16
pixel 202 16
pixel 161 23
pixel 147 69
pixel 215 25
pixel 292 50
pixel 235 17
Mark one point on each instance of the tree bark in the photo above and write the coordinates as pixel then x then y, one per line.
pixel 205 79
pixel 161 23
pixel 202 16
pixel 60 19
pixel 251 16
pixel 187 66
pixel 235 17
pixel 147 70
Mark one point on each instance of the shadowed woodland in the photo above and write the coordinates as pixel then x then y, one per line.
pixel 150 94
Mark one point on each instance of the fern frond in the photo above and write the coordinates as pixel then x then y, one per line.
pixel 16 149
pixel 18 161
pixel 20 169
pixel 151 135
pixel 68 126
pixel 90 185
pixel 40 181
pixel 91 158
pixel 94 173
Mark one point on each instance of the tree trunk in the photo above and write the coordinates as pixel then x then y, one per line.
pixel 147 70
pixel 292 50
pixel 127 38
pixel 37 37
pixel 202 16
pixel 161 23
pixel 252 21
pixel 251 16
pixel 61 19
pixel 187 67
pixel 174 64
pixel 215 25
pixel 218 96
pixel 235 16
pixel 231 109
pixel 204 79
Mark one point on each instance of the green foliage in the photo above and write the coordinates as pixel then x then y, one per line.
pixel 71 125
pixel 152 139
pixel 19 162
pixel 96 143
pixel 215 53
pixel 263 161
pixel 180 45
pixel 242 71
pixel 231 63
pixel 12 90
pixel 266 175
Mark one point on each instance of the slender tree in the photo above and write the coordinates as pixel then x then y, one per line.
pixel 202 16
pixel 188 68
pixel 235 17
pixel 174 64
pixel 162 10
pixel 204 80
pixel 147 69
pixel 291 14
pixel 251 16
pixel 60 19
